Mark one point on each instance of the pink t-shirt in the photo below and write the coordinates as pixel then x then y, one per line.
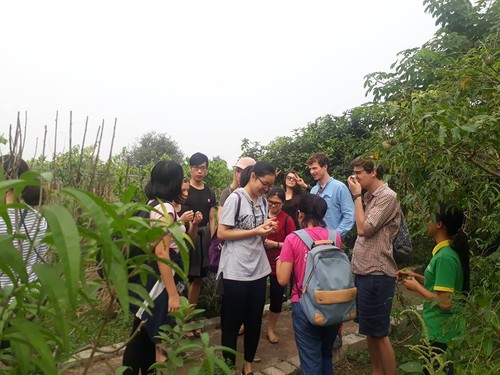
pixel 295 251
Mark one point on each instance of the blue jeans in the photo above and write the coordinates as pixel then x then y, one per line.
pixel 314 343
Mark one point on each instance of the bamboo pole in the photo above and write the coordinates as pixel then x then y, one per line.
pixel 70 161
pixel 78 173
pixel 44 143
pixel 108 165
pixel 54 153
pixel 97 146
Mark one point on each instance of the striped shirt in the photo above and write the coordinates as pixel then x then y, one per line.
pixel 32 226
pixel 373 251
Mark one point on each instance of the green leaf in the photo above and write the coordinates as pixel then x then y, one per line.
pixel 57 293
pixel 469 128
pixel 67 246
pixel 411 367
pixel 28 334
pixel 11 260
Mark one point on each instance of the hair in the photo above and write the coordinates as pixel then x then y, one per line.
pixel 166 181
pixel 180 199
pixel 319 158
pixel 278 192
pixel 34 195
pixel 314 209
pixel 263 168
pixel 245 176
pixel 234 184
pixel 198 158
pixel 297 189
pixel 13 166
pixel 368 165
pixel 453 219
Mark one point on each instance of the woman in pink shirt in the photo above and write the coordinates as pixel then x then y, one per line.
pixel 291 265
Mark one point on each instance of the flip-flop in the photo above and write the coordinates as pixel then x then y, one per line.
pixel 274 340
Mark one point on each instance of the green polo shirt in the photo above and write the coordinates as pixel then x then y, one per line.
pixel 443 274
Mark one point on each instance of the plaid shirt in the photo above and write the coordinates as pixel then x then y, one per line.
pixel 373 251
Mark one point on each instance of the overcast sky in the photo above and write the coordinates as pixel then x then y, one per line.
pixel 208 73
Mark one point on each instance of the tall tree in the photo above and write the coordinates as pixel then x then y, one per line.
pixel 152 147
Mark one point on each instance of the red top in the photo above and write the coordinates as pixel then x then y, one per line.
pixel 279 236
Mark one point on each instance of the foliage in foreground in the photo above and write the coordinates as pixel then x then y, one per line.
pixel 41 319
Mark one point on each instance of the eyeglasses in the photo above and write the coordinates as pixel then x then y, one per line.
pixel 265 185
pixel 201 168
pixel 271 203
pixel 290 178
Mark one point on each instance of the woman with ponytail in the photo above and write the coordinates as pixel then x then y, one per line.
pixel 314 343
pixel 446 276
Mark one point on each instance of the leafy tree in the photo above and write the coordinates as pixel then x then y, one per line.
pixel 154 146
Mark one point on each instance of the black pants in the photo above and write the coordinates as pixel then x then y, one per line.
pixel 275 294
pixel 440 348
pixel 242 303
pixel 140 353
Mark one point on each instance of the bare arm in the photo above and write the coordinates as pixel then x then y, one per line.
pixel 167 276
pixel 283 272
pixel 404 273
pixel 443 299
pixel 211 221
pixel 226 232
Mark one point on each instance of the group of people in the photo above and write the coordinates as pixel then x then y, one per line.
pixel 257 220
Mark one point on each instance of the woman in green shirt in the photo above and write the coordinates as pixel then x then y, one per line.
pixel 446 275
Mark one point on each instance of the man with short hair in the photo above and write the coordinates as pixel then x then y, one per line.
pixel 200 198
pixel 373 264
pixel 340 212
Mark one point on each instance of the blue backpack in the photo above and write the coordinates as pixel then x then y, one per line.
pixel 328 292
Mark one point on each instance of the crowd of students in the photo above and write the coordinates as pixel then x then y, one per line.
pixel 257 221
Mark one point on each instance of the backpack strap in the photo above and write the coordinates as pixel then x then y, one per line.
pixel 237 214
pixel 332 235
pixel 305 237
pixel 308 241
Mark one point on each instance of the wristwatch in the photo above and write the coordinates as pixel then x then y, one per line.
pixel 356 196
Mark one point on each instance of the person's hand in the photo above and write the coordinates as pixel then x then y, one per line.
pixel 198 217
pixel 173 303
pixel 269 226
pixel 277 172
pixel 412 284
pixel 300 181
pixel 187 216
pixel 404 274
pixel 354 185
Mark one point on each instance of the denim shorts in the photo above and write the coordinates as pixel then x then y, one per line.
pixel 374 303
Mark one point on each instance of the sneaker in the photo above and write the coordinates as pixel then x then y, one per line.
pixel 338 341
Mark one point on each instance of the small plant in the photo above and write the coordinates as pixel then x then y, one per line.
pixel 431 358
pixel 204 358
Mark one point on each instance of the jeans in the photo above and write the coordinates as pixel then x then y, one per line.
pixel 314 343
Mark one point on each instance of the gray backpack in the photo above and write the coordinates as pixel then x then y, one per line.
pixel 328 293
